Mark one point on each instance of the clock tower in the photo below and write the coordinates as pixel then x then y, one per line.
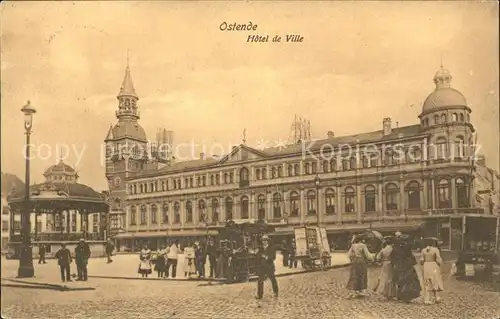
pixel 126 149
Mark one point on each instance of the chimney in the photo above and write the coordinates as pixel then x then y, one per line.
pixel 202 156
pixel 330 134
pixel 386 123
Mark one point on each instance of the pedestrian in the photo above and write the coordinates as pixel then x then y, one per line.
pixel 172 257
pixel 189 260
pixel 385 285
pixel 212 257
pixel 145 262
pixel 41 253
pixel 63 256
pixel 201 258
pixel 292 262
pixel 431 262
pixel 359 255
pixel 405 275
pixel 160 261
pixel 110 247
pixel 266 256
pixel 82 255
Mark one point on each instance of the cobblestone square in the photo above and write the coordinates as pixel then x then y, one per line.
pixel 312 295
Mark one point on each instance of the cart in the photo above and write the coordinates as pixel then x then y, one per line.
pixel 238 245
pixel 312 248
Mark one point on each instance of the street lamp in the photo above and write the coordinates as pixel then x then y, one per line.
pixel 26 269
pixel 317 181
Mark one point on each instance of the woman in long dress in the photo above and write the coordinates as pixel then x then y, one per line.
pixel 145 262
pixel 359 255
pixel 431 267
pixel 189 264
pixel 405 275
pixel 385 285
pixel 160 262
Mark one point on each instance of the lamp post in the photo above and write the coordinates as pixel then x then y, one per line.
pixel 26 269
pixel 317 181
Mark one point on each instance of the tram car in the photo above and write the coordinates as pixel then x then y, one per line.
pixel 238 246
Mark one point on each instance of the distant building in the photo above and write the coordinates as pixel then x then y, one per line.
pixel 416 179
pixel 487 187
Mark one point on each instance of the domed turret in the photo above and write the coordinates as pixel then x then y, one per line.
pixel 444 95
pixel 60 172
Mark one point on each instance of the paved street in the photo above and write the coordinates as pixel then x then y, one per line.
pixel 311 295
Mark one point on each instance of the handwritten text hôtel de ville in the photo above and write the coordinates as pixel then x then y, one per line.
pixel 262 38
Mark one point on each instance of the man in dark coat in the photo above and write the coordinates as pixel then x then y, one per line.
pixel 109 250
pixel 41 252
pixel 212 257
pixel 200 257
pixel 64 260
pixel 292 262
pixel 266 256
pixel 82 255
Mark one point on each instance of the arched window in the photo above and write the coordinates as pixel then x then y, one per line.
pixel 202 208
pixel 135 189
pixel 290 170
pixel 231 177
pixel 154 214
pixel 177 213
pixel 426 122
pixel 443 118
pixel 443 194
pixel 330 201
pixel 459 147
pixel 144 217
pixel 277 205
pixel 441 148
pixel 436 119
pixel 391 196
pixel 325 166
pixel 345 164
pixel 245 208
pixel 373 160
pixel 257 174
pixel 244 177
pixel 370 199
pixel 274 172
pixel 215 210
pixel 461 117
pixel 165 213
pixel 333 164
pixel 352 163
pixel 133 215
pixel 366 162
pixel 189 212
pixel 280 171
pixel 311 202
pixel 229 208
pixel 454 117
pixel 307 168
pixel 294 204
pixel 261 207
pixel 264 173
pixel 413 195
pixel 462 191
pixel 349 200
pixel 212 179
pixel 226 178
pixel 414 154
pixel 296 169
pixel 118 203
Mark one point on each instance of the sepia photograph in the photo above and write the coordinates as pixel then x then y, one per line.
pixel 250 159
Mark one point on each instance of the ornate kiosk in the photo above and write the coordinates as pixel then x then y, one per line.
pixel 61 210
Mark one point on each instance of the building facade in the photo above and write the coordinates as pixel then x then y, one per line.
pixel 418 178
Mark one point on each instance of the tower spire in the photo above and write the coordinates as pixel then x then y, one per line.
pixel 127 88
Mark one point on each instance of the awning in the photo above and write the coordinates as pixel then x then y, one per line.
pixel 169 234
pixel 378 227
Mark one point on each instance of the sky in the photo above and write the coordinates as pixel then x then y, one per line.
pixel 358 63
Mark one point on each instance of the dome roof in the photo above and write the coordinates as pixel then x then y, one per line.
pixel 60 168
pixel 442 98
pixel 129 128
pixel 444 95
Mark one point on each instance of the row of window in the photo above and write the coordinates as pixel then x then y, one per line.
pixel 391 202
pixel 455 117
pixel 391 157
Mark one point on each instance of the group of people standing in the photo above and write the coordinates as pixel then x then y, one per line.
pixel 398 278
pixel 64 260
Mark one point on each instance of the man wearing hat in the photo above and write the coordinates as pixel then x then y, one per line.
pixel 82 255
pixel 265 261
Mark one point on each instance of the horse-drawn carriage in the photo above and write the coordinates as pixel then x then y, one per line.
pixel 238 245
